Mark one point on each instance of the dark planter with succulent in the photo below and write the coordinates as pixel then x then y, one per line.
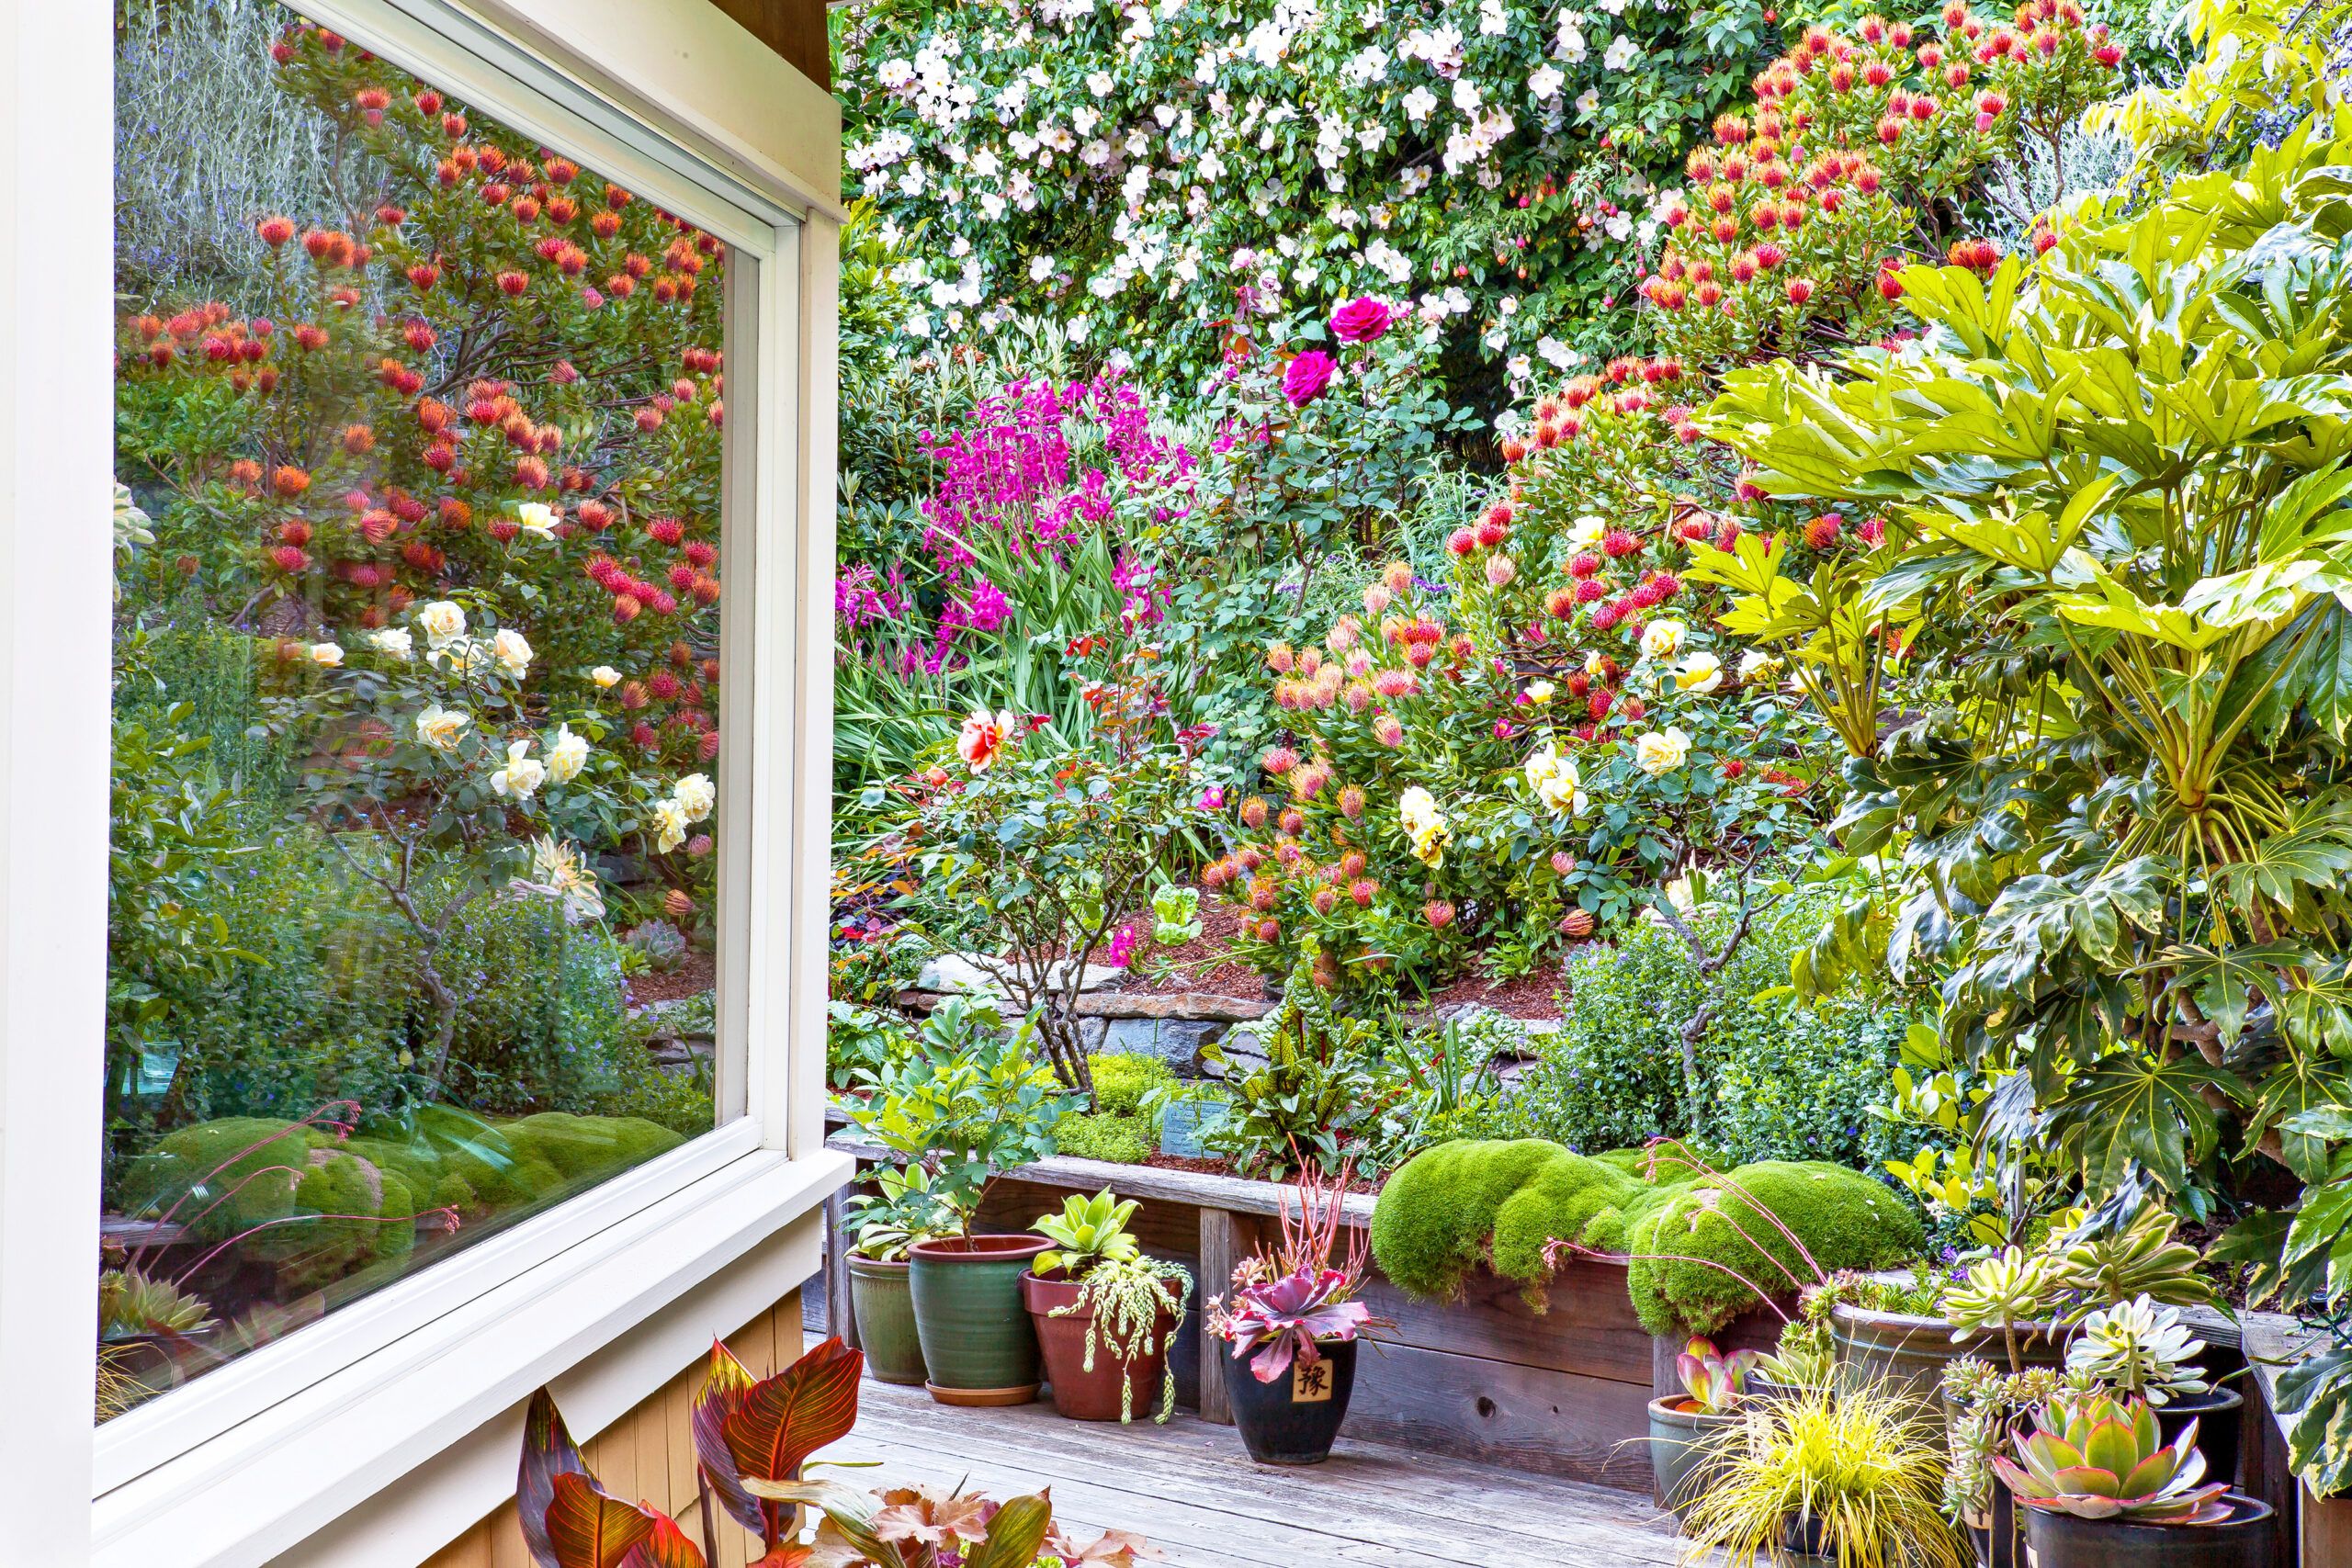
pixel 966 1103
pixel 2099 1484
pixel 1104 1313
pixel 1290 1325
pixel 1714 1387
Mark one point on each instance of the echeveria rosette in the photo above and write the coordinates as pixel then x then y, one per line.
pixel 2101 1459
pixel 1287 1317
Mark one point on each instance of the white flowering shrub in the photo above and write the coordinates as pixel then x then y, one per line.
pixel 1155 174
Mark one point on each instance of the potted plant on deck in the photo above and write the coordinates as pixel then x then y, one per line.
pixel 1105 1314
pixel 1713 1388
pixel 970 1104
pixel 883 1227
pixel 2101 1485
pixel 1291 1327
pixel 1852 1475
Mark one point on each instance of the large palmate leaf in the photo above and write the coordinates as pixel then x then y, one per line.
pixel 2316 1404
pixel 2131 1107
pixel 2225 981
pixel 547 1453
pixel 587 1528
pixel 2315 849
pixel 776 1423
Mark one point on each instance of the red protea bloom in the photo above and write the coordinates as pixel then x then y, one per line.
pixel 1438 912
pixel 1462 541
pixel 1292 821
pixel 649 419
pixel 626 608
pixel 668 530
pixel 1823 531
pixel 1254 811
pixel 1606 616
pixel 1560 604
pixel 513 283
pixel 1590 589
pixel 1888 286
pixel 1361 890
pixel 456 513
pixel 1872 531
pixel 1597 704
pixel 274 230
pixel 1732 767
pixel 1617 544
pixel 1666 585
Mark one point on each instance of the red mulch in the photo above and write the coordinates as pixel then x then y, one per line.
pixel 698 974
pixel 1202 967
pixel 1197 1167
pixel 1532 995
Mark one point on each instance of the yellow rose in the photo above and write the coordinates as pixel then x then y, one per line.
pixel 605 676
pixel 567 754
pixel 522 776
pixel 669 825
pixel 392 640
pixel 694 794
pixel 441 622
pixel 1661 752
pixel 1555 781
pixel 439 728
pixel 1701 672
pixel 1540 692
pixel 513 652
pixel 536 518
pixel 1660 638
pixel 326 655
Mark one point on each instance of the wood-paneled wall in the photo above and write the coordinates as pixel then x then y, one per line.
pixel 649 1455
pixel 796 30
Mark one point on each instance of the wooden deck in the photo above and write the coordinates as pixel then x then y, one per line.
pixel 1189 1489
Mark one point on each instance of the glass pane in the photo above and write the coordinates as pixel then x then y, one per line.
pixel 416 683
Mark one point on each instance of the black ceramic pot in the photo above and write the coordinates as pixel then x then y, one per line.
pixel 1295 1418
pixel 2241 1540
pixel 2217 1414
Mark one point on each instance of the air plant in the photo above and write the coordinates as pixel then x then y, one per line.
pixel 2098 1458
pixel 1714 1382
pixel 1286 1303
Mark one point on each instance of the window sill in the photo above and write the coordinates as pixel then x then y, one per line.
pixel 270 1482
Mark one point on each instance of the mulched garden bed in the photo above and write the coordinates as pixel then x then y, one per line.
pixel 698 974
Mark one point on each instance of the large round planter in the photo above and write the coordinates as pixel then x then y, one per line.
pixel 1185 1123
pixel 1680 1469
pixel 2217 1413
pixel 884 1311
pixel 1910 1353
pixel 1295 1418
pixel 2243 1540
pixel 1112 1390
pixel 977 1347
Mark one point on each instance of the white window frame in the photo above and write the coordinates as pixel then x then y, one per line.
pixel 262 1457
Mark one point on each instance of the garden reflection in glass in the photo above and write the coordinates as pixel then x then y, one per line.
pixel 415 697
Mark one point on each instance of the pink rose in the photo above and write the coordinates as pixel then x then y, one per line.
pixel 1308 374
pixel 1361 319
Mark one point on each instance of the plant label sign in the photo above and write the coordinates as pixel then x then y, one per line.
pixel 1311 1383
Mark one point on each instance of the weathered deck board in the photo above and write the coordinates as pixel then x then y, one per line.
pixel 1190 1490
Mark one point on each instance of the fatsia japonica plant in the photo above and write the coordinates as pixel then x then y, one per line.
pixel 2116 483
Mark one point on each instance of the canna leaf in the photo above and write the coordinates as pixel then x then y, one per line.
pixel 547 1453
pixel 587 1528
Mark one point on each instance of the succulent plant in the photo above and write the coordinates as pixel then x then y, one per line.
pixel 2007 1290
pixel 1087 1232
pixel 662 944
pixel 2098 1458
pixel 2142 1259
pixel 1716 1382
pixel 132 1304
pixel 2139 1348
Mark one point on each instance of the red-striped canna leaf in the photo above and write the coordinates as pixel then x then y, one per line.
pixel 722 1394
pixel 547 1453
pixel 667 1547
pixel 590 1528
pixel 778 1422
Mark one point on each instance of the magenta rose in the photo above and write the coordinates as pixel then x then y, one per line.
pixel 1361 319
pixel 1307 375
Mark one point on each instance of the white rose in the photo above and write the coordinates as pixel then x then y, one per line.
pixel 1660 638
pixel 439 728
pixel 326 655
pixel 605 676
pixel 1554 779
pixel 669 825
pixel 567 754
pixel 1756 662
pixel 512 651
pixel 1701 672
pixel 1658 752
pixel 536 517
pixel 695 794
pixel 443 622
pixel 522 776
pixel 1587 532
pixel 394 640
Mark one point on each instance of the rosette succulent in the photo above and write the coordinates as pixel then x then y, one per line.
pixel 1287 1315
pixel 2139 1348
pixel 1714 1382
pixel 2098 1458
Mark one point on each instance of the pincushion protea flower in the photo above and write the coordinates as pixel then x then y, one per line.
pixel 2097 1458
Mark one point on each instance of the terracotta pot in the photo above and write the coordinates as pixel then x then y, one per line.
pixel 885 1310
pixel 977 1347
pixel 1111 1390
pixel 1679 1471
pixel 1295 1418
pixel 2241 1540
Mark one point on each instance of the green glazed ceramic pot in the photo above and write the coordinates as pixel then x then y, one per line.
pixel 978 1345
pixel 886 1320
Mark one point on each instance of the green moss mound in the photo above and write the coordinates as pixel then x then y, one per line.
pixel 1705 1247
pixel 1122 1078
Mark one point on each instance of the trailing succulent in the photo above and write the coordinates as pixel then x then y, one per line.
pixel 1703 1245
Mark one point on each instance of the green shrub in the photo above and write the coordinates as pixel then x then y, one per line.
pixel 1456 1206
pixel 1122 1078
pixel 1100 1134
